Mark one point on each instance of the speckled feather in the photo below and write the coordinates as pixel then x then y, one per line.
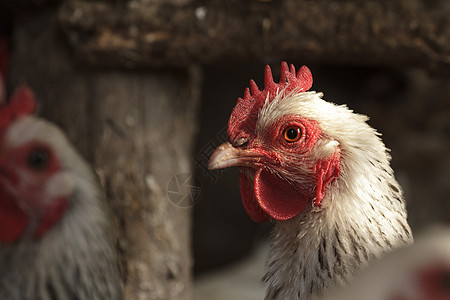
pixel 417 272
pixel 76 258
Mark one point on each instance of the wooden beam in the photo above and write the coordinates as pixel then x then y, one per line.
pixel 168 33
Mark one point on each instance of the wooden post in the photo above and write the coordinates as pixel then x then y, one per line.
pixel 137 129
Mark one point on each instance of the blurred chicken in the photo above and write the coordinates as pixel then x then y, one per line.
pixel 322 174
pixel 55 238
pixel 418 272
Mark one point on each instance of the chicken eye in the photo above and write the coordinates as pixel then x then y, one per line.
pixel 292 134
pixel 38 159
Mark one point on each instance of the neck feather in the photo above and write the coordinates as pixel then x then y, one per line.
pixel 363 215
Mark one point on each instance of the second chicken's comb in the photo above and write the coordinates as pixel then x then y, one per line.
pixel 21 103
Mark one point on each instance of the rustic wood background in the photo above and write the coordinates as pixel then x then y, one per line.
pixel 155 33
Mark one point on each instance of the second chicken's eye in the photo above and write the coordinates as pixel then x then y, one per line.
pixel 292 134
pixel 38 159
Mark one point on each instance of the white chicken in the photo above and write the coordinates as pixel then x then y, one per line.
pixel 55 237
pixel 322 174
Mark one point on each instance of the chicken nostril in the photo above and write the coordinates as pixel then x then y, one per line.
pixel 240 142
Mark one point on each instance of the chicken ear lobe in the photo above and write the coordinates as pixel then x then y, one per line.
pixel 51 217
pixel 277 197
pixel 325 171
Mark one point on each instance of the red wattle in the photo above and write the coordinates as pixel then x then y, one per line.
pixel 248 200
pixel 13 221
pixel 277 197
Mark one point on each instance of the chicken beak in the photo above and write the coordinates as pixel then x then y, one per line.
pixel 228 156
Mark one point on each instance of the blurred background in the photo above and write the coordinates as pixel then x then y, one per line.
pixel 172 70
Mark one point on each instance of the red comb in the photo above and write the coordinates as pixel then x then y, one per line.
pixel 245 113
pixel 22 103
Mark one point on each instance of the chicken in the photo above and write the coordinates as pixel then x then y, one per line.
pixel 55 236
pixel 417 272
pixel 322 174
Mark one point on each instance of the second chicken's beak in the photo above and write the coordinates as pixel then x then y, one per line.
pixel 228 156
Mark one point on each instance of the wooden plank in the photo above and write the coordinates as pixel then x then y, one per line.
pixel 144 33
